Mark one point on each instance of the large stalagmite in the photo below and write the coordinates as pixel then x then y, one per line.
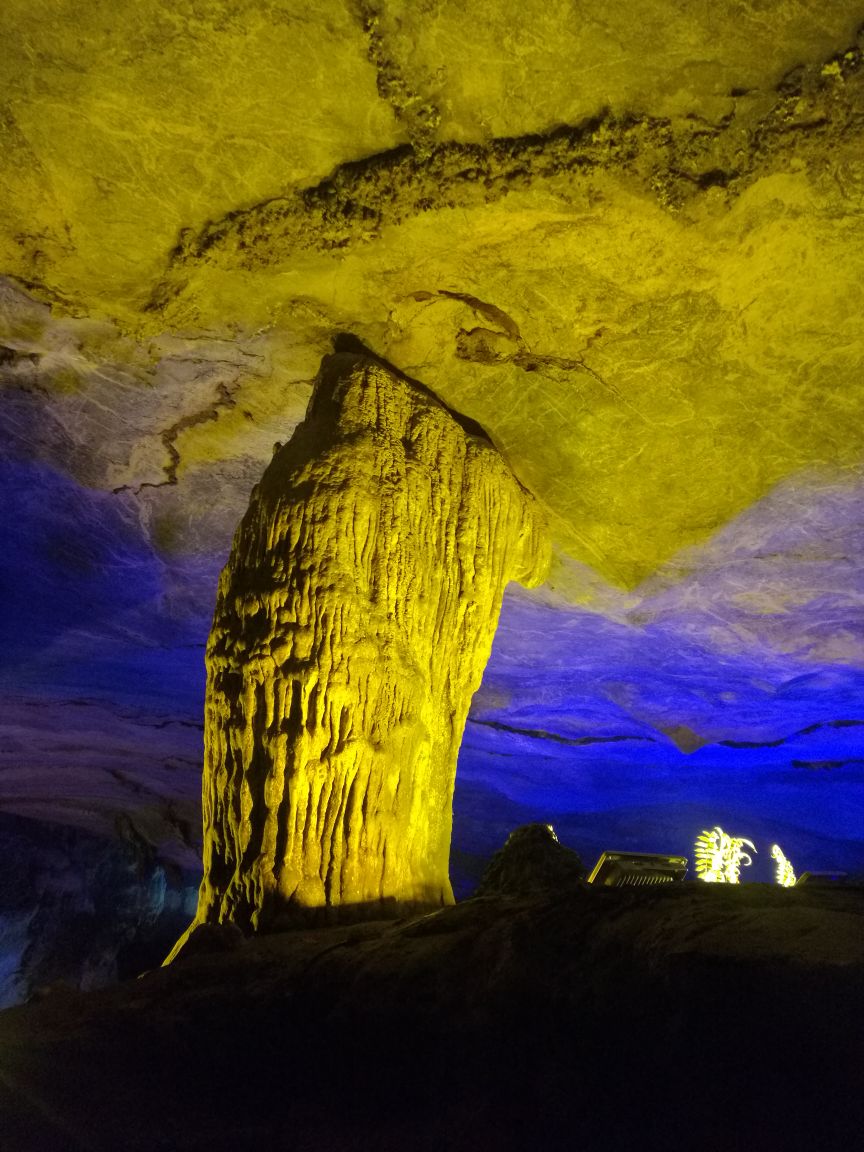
pixel 353 622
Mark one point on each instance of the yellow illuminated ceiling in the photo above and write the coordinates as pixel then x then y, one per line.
pixel 627 239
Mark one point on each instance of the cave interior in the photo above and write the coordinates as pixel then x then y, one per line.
pixel 628 242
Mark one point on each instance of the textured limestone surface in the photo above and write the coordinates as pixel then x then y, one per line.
pixel 648 237
pixel 353 622
pixel 627 239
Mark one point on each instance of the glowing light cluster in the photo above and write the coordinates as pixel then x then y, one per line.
pixel 784 874
pixel 719 857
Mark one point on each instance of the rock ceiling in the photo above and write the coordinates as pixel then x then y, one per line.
pixel 629 240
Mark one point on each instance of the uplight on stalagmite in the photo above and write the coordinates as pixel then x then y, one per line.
pixel 353 622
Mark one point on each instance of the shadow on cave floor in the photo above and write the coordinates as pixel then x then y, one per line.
pixel 583 1019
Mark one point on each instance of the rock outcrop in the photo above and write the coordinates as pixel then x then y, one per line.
pixel 690 1016
pixel 532 860
pixel 353 622
pixel 80 910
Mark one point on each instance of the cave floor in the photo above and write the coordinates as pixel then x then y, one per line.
pixel 683 1017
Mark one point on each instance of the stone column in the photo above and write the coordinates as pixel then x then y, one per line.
pixel 353 622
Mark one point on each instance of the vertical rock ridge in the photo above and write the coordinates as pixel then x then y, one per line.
pixel 353 622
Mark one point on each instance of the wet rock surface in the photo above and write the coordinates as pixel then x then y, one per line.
pixel 614 1019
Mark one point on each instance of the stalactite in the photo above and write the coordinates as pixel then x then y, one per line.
pixel 353 622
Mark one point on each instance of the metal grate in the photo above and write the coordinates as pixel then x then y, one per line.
pixel 637 870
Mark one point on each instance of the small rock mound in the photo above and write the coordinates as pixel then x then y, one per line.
pixel 532 860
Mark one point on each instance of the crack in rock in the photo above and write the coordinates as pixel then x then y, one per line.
pixel 506 345
pixel 827 765
pixel 489 311
pixel 671 161
pixel 224 400
pixel 809 730
pixel 420 117
pixel 12 357
pixel 556 738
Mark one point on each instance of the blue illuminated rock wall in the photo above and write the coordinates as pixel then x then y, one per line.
pixel 729 689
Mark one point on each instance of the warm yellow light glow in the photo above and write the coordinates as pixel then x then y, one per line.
pixel 719 857
pixel 785 874
pixel 353 622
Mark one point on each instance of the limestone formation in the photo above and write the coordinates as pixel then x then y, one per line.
pixel 629 241
pixel 353 622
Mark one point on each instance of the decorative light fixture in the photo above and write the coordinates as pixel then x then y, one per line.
pixel 785 874
pixel 719 857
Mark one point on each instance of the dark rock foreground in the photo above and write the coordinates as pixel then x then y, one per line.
pixel 682 1018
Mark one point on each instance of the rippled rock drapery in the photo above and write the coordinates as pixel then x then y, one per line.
pixel 353 623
